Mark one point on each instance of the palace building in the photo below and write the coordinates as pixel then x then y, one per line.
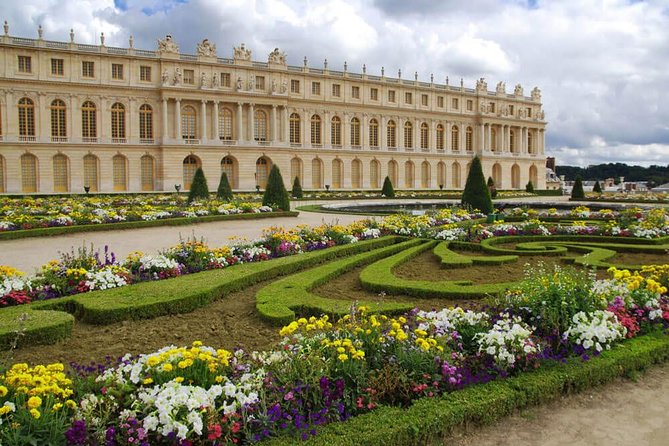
pixel 76 116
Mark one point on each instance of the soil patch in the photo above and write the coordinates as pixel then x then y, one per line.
pixel 639 258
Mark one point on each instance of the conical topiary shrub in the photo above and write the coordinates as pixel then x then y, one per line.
pixel 529 187
pixel 297 188
pixel 577 191
pixel 224 191
pixel 276 195
pixel 476 193
pixel 597 188
pixel 492 188
pixel 387 189
pixel 198 188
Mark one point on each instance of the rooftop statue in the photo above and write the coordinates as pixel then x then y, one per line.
pixel 206 48
pixel 242 53
pixel 277 57
pixel 167 45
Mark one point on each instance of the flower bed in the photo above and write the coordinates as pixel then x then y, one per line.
pixel 325 371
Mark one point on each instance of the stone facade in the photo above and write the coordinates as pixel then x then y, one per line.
pixel 123 119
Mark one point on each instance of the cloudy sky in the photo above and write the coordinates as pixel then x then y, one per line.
pixel 602 65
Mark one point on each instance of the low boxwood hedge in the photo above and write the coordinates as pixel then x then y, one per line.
pixel 452 259
pixel 430 420
pixel 279 301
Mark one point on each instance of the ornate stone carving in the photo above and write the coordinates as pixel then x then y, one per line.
pixel 239 84
pixel 501 87
pixel 167 45
pixel 284 86
pixel 252 82
pixel 541 115
pixel 242 53
pixel 206 48
pixel 518 90
pixel 273 86
pixel 482 85
pixel 165 77
pixel 203 80
pixel 178 77
pixel 536 94
pixel 277 57
pixel 215 81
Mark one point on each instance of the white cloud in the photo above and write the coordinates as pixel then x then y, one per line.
pixel 602 65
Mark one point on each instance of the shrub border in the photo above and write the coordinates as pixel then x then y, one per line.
pixel 180 221
pixel 430 420
pixel 452 259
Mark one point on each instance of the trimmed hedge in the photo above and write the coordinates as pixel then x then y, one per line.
pixel 35 328
pixel 59 230
pixel 279 301
pixel 378 277
pixel 148 300
pixel 429 420
pixel 452 259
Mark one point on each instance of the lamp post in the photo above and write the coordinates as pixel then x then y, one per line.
pixel 177 187
pixel 327 187
pixel 257 188
pixel 87 189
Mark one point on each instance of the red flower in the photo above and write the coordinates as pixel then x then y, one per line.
pixel 215 432
pixel 235 427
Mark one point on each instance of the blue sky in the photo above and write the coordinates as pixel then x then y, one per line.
pixel 602 65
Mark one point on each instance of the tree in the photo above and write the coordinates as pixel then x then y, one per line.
pixel 224 191
pixel 577 191
pixel 597 188
pixel 529 187
pixel 387 189
pixel 198 188
pixel 476 193
pixel 492 188
pixel 297 188
pixel 276 195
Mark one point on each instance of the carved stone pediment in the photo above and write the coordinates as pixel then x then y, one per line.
pixel 277 57
pixel 206 48
pixel 242 53
pixel 168 45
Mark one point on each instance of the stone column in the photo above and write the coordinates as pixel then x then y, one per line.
pixel 463 137
pixel 74 122
pixel 481 139
pixel 364 132
pixel 543 141
pixel 489 138
pixel 215 136
pixel 103 131
pixel 305 129
pixel 327 130
pixel 177 119
pixel 163 123
pixel 273 127
pixel 240 127
pixel 345 131
pixel 383 132
pixel 42 127
pixel 203 122
pixel 251 123
pixel 447 137
pixel 286 126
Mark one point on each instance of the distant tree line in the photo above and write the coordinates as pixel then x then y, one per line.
pixel 654 175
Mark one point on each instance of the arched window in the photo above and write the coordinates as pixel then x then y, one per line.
pixel 88 121
pixel 393 172
pixel 58 112
pixel 335 131
pixel 148 176
pixel 295 137
pixel 263 164
pixel 229 167
pixel 425 175
pixel 469 141
pixel 493 139
pixel 409 175
pixel 146 124
pixel 118 121
pixel 408 135
pixel 28 173
pixel 316 130
pixel 296 169
pixel 120 172
pixel 497 175
pixel 260 126
pixel 355 132
pixel 316 173
pixel 225 124
pixel 356 174
pixel 392 134
pixel 2 174
pixel 441 175
pixel 374 174
pixel 440 137
pixel 373 133
pixel 61 178
pixel 455 175
pixel 455 138
pixel 91 179
pixel 534 177
pixel 512 141
pixel 190 165
pixel 188 124
pixel 26 117
pixel 515 176
pixel 337 173
pixel 424 136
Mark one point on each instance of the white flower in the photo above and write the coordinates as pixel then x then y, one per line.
pixel 599 329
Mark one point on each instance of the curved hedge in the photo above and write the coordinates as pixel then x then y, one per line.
pixel 452 259
pixel 279 301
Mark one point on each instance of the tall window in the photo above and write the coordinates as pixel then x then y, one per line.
pixel 424 136
pixel 145 75
pixel 336 90
pixel 408 98
pixel 88 118
pixel 260 126
pixel 262 172
pixel 455 175
pixel 409 175
pixel 28 173
pixel 355 92
pixel 146 123
pixel 225 124
pixel 189 77
pixel 440 101
pixel 392 134
pixel 118 121
pixel 316 173
pixel 316 88
pixel 87 69
pixel 294 86
pixel 355 132
pixel 225 79
pixel 119 173
pixel 373 133
pixel 374 94
pixel 316 129
pixel 455 138
pixel 455 103
pixel 147 172
pixel 229 167
pixel 530 149
pixel 58 129
pixel 423 100
pixel 493 139
pixel 374 174
pixel 393 171
pixel 425 175
pixel 296 169
pixel 335 131
pixel 57 67
pixel 512 141
pixel 391 95
pixel 295 129
pixel 25 64
pixel 408 135
pixel 337 173
pixel 441 174
pixel 26 117
pixel 260 83
pixel 440 137
pixel 188 123
pixel 117 71
pixel 469 141
pixel 356 174
pixel 91 172
pixel 61 181
pixel 190 165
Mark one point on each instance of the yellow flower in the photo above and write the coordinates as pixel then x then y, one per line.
pixel 197 344
pixel 343 357
pixel 167 367
pixel 179 379
pixel 3 391
pixel 57 406
pixel 34 401
pixel 219 379
pixel 70 404
pixel 148 381
pixel 35 413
